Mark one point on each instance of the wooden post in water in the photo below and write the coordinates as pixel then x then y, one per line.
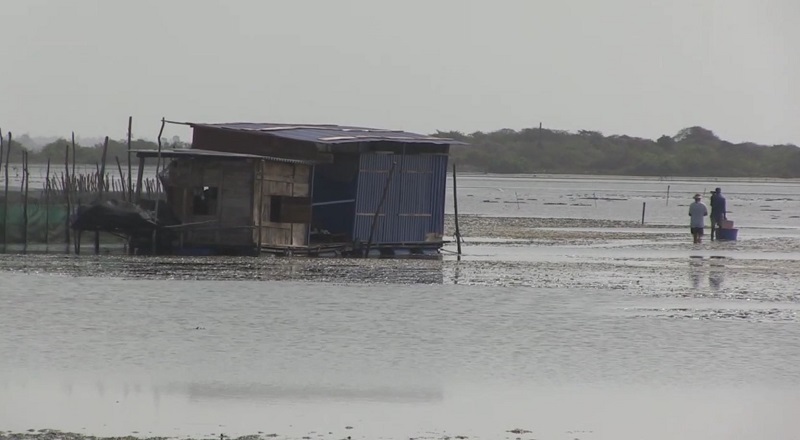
pixel 5 196
pixel 644 206
pixel 2 148
pixel 158 192
pixel 25 201
pixel 101 186
pixel 130 170
pixel 668 195
pixel 455 208
pixel 2 144
pixel 67 185
pixel 47 206
pixel 74 153
pixel 121 179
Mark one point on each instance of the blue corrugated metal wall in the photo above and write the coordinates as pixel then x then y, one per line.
pixel 414 205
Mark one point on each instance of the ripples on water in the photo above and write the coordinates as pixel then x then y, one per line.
pixel 651 339
pixel 396 347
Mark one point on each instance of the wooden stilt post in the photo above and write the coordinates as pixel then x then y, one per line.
pixel 47 206
pixel 100 188
pixel 455 208
pixel 668 195
pixel 2 148
pixel 130 169
pixel 121 179
pixel 5 197
pixel 260 180
pixel 644 206
pixel 74 153
pixel 67 186
pixel 139 183
pixel 25 201
pixel 158 187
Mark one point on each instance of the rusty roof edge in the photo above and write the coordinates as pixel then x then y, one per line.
pixel 345 129
pixel 211 154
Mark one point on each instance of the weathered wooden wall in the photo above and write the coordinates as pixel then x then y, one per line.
pixel 283 179
pixel 231 222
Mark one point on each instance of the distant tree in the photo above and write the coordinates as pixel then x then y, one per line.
pixel 665 141
pixel 698 135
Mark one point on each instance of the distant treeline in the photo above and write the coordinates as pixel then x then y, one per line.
pixel 83 154
pixel 694 151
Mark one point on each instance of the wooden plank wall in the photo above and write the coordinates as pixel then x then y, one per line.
pixel 281 179
pixel 232 222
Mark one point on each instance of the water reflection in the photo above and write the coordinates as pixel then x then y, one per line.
pixel 307 392
pixel 715 268
pixel 695 271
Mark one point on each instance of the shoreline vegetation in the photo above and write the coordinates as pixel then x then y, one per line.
pixel 692 152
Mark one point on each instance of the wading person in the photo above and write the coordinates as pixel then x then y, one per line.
pixel 697 214
pixel 717 211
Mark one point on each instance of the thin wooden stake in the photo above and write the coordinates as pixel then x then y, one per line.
pixel 644 206
pixel 130 170
pixel 25 202
pixel 158 192
pixel 668 195
pixel 101 181
pixel 67 185
pixel 2 145
pixel 455 208
pixel 74 153
pixel 122 180
pixel 47 206
pixel 5 197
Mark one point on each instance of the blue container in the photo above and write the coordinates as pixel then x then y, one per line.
pixel 727 234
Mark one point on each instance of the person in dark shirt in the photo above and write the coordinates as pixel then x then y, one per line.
pixel 718 210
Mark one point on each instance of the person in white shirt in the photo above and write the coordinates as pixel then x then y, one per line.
pixel 697 213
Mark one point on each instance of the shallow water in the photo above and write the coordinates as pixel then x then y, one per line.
pixel 764 203
pixel 108 352
pixel 595 330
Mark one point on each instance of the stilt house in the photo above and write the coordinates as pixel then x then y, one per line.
pixel 306 189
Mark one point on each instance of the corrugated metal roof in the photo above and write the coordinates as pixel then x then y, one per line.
pixel 216 154
pixel 329 134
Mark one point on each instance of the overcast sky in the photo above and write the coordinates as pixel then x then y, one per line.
pixel 636 67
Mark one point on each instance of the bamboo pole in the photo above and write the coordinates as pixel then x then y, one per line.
pixel 5 197
pixel 668 195
pixel 2 148
pixel 47 206
pixel 378 209
pixel 121 179
pixel 100 188
pixel 139 175
pixel 74 153
pixel 644 207
pixel 455 208
pixel 25 201
pixel 130 171
pixel 67 185
pixel 158 193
